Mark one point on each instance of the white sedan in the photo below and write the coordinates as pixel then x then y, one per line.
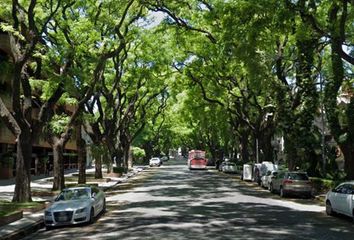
pixel 155 161
pixel 74 206
pixel 341 199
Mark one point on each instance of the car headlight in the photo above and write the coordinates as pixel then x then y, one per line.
pixel 81 210
pixel 48 214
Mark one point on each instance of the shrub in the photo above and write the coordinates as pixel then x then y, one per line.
pixel 322 185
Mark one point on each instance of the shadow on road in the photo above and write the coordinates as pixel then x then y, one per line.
pixel 181 204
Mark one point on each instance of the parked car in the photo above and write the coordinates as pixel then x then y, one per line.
pixel 261 169
pixel 266 179
pixel 230 167
pixel 221 165
pixel 74 206
pixel 341 199
pixel 155 161
pixel 287 183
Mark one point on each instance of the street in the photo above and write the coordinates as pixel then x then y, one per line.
pixel 172 202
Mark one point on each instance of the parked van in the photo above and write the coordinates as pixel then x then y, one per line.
pixel 261 169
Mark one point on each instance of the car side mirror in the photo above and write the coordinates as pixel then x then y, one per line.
pixel 93 195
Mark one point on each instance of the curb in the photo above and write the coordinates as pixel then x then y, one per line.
pixel 30 228
pixel 23 232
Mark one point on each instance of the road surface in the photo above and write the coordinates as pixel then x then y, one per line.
pixel 172 202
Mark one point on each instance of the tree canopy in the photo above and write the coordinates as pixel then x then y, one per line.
pixel 232 77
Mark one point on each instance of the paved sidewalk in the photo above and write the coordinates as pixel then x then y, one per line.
pixel 34 221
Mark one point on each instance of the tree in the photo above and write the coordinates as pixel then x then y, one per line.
pixel 26 29
pixel 329 20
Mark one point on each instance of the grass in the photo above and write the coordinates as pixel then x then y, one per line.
pixel 8 208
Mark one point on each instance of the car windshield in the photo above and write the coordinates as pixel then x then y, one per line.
pixel 73 194
pixel 298 176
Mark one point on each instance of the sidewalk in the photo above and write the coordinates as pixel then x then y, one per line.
pixel 33 221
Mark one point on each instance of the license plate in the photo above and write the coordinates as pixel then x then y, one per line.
pixel 63 219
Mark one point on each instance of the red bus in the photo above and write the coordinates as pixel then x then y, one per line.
pixel 196 159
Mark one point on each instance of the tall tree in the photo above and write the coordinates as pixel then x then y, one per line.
pixel 26 29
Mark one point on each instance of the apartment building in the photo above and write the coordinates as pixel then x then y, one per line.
pixel 42 153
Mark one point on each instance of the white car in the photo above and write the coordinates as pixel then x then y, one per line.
pixel 341 199
pixel 266 179
pixel 155 161
pixel 229 167
pixel 74 206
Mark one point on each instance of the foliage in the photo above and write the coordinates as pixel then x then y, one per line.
pixel 7 208
pixel 138 154
pixel 321 185
pixel 58 123
pixel 225 76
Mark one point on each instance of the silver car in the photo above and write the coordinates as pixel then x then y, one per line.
pixel 74 206
pixel 341 199
pixel 287 183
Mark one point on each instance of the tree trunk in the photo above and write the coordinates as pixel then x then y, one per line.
pixel 313 169
pixel 291 152
pixel 80 143
pixel 130 158
pixel 119 156
pixel 58 161
pixel 332 89
pixel 265 146
pixel 148 148
pixel 98 168
pixel 126 156
pixel 244 147
pixel 23 162
pixel 348 152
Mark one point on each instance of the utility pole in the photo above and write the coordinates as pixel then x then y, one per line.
pixel 257 154
pixel 323 132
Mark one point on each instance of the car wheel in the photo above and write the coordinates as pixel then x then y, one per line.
pixel 282 193
pixel 104 206
pixel 92 216
pixel 329 210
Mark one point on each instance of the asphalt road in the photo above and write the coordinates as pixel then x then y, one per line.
pixel 172 202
